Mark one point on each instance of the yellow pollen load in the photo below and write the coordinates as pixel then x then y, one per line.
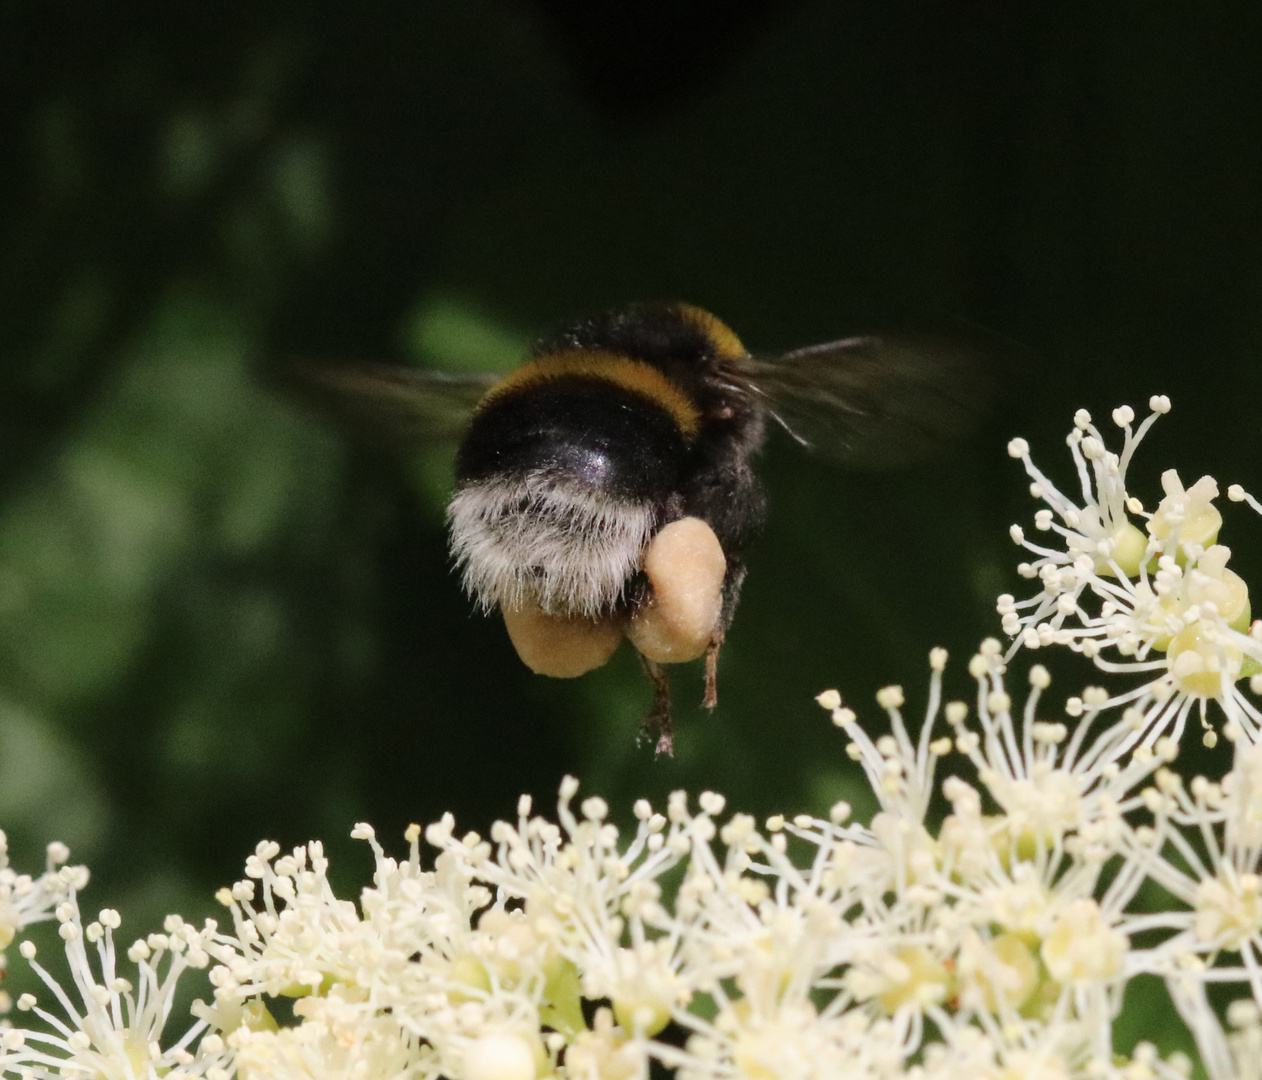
pixel 727 346
pixel 635 376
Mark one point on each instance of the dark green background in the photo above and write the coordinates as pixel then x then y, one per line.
pixel 219 622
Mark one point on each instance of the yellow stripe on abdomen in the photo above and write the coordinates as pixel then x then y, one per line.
pixel 635 376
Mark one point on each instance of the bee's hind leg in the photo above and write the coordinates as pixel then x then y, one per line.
pixel 711 698
pixel 732 583
pixel 658 724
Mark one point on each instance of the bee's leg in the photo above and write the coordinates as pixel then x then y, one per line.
pixel 732 583
pixel 657 724
pixel 711 698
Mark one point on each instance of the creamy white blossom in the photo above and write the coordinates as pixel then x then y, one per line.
pixel 25 900
pixel 106 1024
pixel 996 943
pixel 1138 591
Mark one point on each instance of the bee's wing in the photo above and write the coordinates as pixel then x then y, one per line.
pixel 394 408
pixel 879 400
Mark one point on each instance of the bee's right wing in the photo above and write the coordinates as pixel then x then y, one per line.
pixel 881 400
pixel 394 408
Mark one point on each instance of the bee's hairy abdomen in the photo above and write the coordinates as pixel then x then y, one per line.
pixel 619 424
pixel 561 483
pixel 579 430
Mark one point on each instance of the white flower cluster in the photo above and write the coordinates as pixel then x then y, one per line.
pixel 994 943
pixel 1157 600
pixel 25 900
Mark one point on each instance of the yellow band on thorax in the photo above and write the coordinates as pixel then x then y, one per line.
pixel 635 376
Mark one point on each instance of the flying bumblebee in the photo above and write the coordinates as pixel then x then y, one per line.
pixel 605 489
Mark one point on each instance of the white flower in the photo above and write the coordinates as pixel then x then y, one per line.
pixel 996 945
pixel 1227 1052
pixel 1157 601
pixel 332 1040
pixel 110 1026
pixel 25 900
pixel 790 1040
pixel 1081 945
pixel 1204 848
pixel 1005 914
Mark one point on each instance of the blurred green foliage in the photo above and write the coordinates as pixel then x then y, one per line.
pixel 222 622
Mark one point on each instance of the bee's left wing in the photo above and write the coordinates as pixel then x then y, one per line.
pixel 879 400
pixel 395 408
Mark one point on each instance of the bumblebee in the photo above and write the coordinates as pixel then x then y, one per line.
pixel 605 489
